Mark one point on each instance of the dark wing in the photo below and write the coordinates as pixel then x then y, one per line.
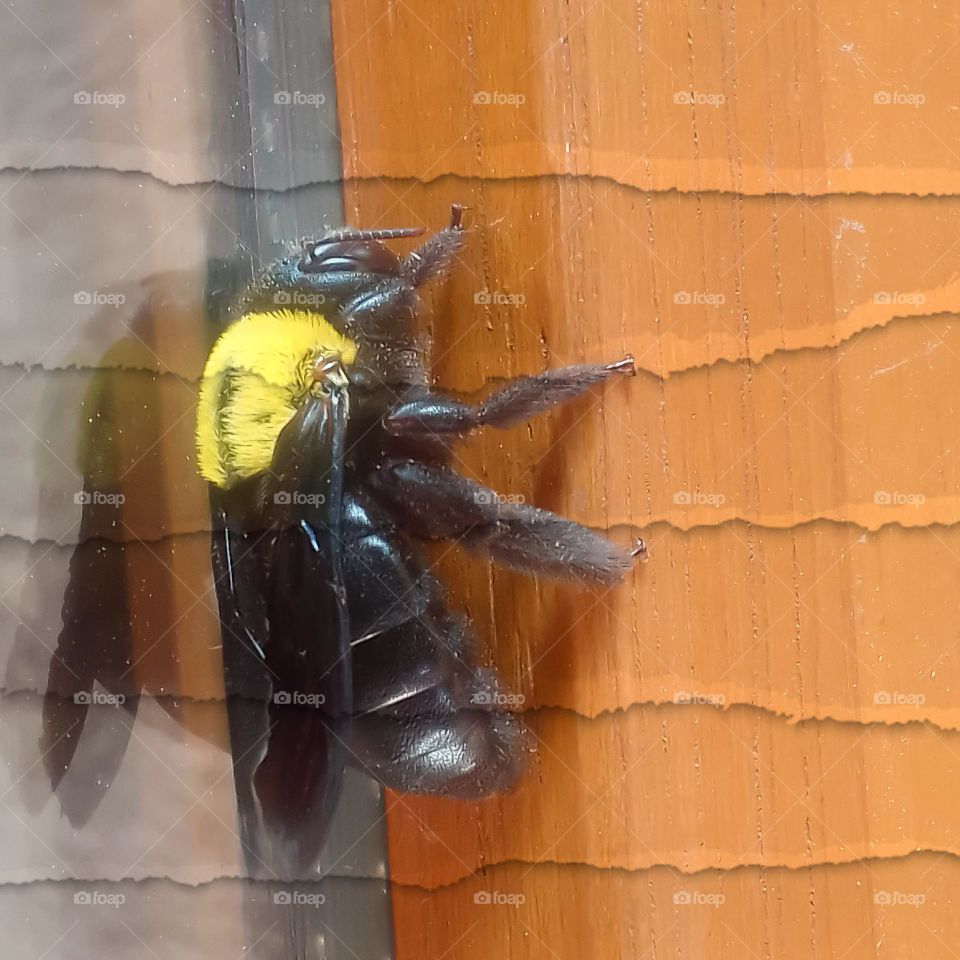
pixel 286 640
pixel 95 651
pixel 95 646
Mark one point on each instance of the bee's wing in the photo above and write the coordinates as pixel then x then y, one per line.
pixel 286 639
pixel 94 647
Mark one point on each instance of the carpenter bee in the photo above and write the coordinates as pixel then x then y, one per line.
pixel 329 460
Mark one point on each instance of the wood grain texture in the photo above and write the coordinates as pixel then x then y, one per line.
pixel 694 788
pixel 882 908
pixel 745 197
pixel 752 97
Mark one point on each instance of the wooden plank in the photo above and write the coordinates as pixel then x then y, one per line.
pixel 780 574
pixel 883 909
pixel 694 789
pixel 750 97
pixel 758 243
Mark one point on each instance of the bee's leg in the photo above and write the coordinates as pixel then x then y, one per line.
pixel 513 403
pixel 435 503
pixel 434 258
pixel 380 311
pixel 395 300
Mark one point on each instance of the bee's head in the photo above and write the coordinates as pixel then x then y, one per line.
pixel 353 277
pixel 355 251
pixel 355 272
pixel 345 265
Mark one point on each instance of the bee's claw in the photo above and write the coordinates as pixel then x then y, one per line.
pixel 626 365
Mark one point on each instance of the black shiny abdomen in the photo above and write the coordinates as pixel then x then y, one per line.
pixel 426 718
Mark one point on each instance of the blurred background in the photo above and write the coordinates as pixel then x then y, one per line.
pixel 751 747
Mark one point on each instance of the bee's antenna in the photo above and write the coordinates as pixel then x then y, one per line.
pixel 395 234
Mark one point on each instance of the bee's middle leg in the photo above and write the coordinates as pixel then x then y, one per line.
pixel 515 402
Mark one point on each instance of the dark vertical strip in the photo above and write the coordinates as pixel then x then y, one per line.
pixel 282 139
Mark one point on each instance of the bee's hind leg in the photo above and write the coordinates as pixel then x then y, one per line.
pixel 434 502
pixel 514 402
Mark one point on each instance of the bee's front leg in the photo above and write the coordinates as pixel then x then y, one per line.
pixel 435 257
pixel 395 299
pixel 388 304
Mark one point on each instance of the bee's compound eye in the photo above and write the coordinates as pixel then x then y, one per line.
pixel 349 256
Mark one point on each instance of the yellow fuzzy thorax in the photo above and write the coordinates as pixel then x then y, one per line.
pixel 256 376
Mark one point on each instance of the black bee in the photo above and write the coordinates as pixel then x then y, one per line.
pixel 328 458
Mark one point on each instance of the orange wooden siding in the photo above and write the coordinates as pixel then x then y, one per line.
pixel 753 199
